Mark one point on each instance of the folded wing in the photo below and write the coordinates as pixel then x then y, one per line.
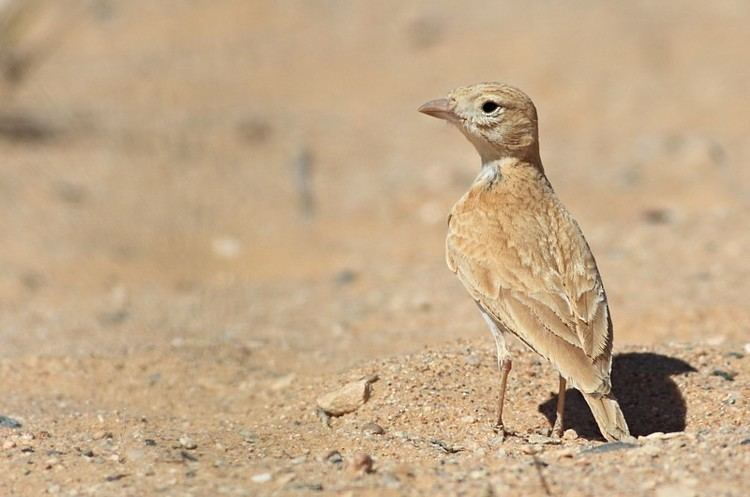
pixel 534 274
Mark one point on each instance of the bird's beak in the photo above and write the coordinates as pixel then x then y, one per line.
pixel 439 108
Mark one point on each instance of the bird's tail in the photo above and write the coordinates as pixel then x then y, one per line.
pixel 608 416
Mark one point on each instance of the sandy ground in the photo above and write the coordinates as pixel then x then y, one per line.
pixel 213 212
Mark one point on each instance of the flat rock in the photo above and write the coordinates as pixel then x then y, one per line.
pixel 7 422
pixel 609 447
pixel 346 399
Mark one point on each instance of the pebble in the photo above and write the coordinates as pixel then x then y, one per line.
pixel 346 399
pixel 362 463
pixel 102 434
pixel 473 360
pixel 6 422
pixel 261 478
pixel 542 440
pixel 285 479
pixel 608 447
pixel 566 452
pixel 187 443
pixel 570 434
pixel 334 457
pixel 659 435
pixel 8 444
pixel 727 375
pixel 344 277
pixel 372 429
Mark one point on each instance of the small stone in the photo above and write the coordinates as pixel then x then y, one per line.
pixel 372 429
pixel 323 417
pixel 6 422
pixel 362 463
pixel 657 216
pixel 261 478
pixel 346 399
pixel 445 446
pixel 658 435
pixel 727 375
pixel 473 360
pixel 344 277
pixel 26 437
pixel 570 434
pixel 285 479
pixel 566 452
pixel 187 456
pixel 334 457
pixel 8 444
pixel 102 434
pixel 543 440
pixel 608 447
pixel 468 420
pixel 187 443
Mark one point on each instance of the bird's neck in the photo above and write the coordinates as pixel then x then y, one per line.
pixel 500 163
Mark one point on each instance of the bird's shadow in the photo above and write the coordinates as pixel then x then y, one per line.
pixel 649 399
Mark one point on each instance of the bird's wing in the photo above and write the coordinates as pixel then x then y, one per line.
pixel 532 270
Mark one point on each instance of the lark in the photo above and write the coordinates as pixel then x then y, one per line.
pixel 523 258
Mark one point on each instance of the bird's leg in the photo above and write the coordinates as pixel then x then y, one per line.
pixel 558 427
pixel 504 364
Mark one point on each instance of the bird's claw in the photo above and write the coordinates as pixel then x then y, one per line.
pixel 556 430
pixel 503 433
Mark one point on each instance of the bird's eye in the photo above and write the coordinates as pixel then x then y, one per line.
pixel 489 107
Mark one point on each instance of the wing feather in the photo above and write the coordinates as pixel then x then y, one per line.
pixel 532 270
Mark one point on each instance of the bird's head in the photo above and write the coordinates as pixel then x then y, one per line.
pixel 499 120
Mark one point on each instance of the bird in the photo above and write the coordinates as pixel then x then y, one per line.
pixel 523 258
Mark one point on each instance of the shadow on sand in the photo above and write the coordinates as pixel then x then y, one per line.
pixel 649 399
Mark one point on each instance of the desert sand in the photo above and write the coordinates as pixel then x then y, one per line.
pixel 214 212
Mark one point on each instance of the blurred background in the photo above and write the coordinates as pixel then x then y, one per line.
pixel 255 173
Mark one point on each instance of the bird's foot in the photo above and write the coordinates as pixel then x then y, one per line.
pixel 502 431
pixel 556 431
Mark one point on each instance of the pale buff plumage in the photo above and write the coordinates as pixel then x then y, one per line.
pixel 521 255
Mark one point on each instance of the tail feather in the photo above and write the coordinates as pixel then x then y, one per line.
pixel 608 416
